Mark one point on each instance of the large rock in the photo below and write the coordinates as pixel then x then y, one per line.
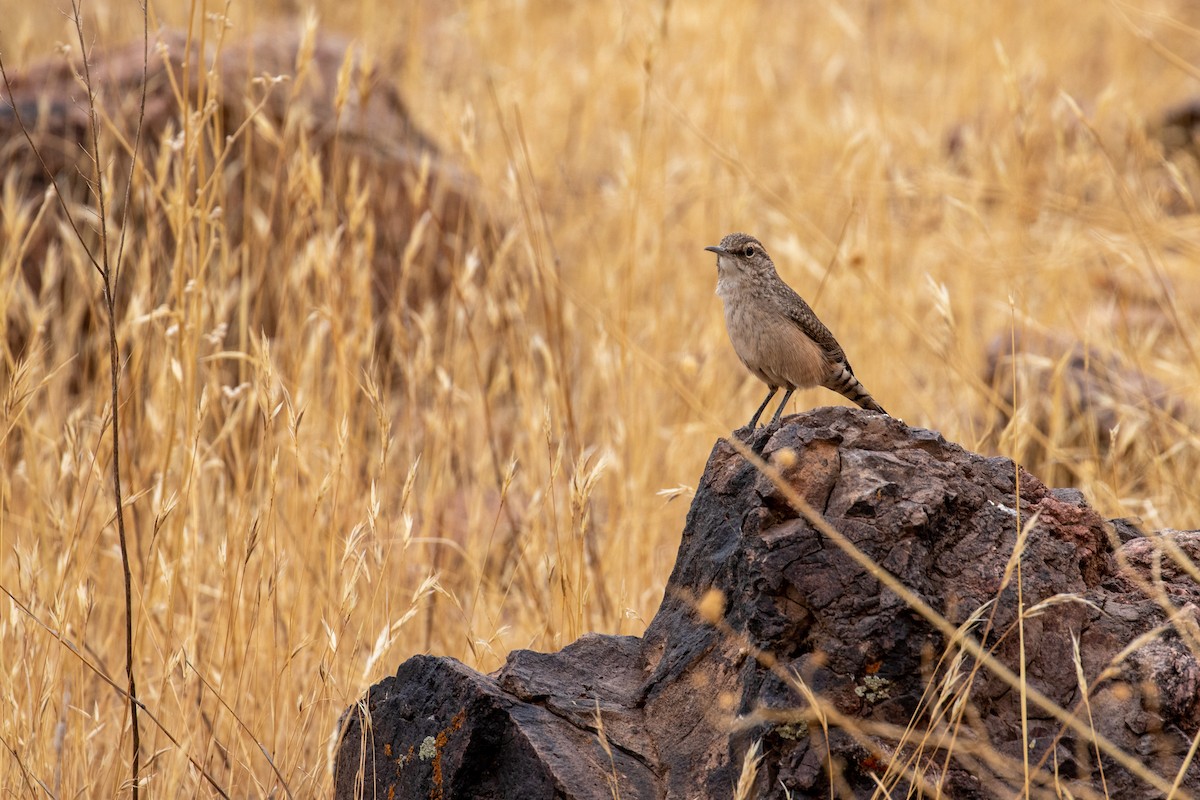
pixel 673 714
pixel 1083 401
pixel 310 141
pixel 289 76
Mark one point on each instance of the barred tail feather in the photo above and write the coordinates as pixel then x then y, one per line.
pixel 844 383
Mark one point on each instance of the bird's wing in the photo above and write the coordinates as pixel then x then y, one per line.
pixel 804 319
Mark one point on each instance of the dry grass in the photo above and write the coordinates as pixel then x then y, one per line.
pixel 307 511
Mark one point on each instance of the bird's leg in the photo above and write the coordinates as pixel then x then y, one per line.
pixel 787 396
pixel 757 414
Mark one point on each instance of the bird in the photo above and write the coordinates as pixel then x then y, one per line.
pixel 775 333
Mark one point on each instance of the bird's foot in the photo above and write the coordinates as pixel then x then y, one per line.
pixel 755 438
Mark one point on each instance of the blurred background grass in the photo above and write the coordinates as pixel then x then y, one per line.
pixel 510 467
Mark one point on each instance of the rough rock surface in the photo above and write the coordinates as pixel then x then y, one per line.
pixel 673 714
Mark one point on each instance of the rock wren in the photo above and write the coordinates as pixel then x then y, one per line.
pixel 774 332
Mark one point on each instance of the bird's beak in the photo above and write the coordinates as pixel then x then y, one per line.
pixel 721 251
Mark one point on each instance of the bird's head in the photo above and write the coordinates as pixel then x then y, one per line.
pixel 741 253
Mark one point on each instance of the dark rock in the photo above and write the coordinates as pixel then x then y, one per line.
pixel 440 729
pixel 1083 402
pixel 368 121
pixel 316 147
pixel 674 713
pixel 1178 127
pixel 1174 175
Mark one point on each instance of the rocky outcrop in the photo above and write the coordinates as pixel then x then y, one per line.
pixel 305 132
pixel 1082 399
pixel 845 684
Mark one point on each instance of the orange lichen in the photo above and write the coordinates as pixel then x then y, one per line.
pixel 406 758
pixel 873 763
pixel 437 791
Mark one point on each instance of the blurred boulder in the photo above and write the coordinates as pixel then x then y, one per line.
pixel 673 714
pixel 303 131
pixel 1178 128
pixel 1076 403
pixel 1176 134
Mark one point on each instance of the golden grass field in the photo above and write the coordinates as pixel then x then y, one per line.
pixel 306 511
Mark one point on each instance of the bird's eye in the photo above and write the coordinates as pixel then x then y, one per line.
pixel 749 251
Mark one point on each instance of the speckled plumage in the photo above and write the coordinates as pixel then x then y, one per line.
pixel 774 332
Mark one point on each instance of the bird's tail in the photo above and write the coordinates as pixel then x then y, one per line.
pixel 844 383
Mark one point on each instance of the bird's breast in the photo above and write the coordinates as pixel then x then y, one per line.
pixel 773 347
